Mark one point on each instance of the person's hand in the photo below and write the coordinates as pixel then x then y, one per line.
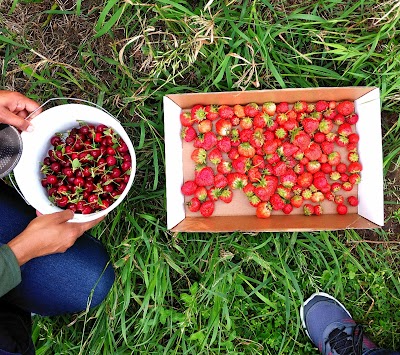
pixel 48 234
pixel 15 107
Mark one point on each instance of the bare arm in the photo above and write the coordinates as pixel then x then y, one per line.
pixel 48 234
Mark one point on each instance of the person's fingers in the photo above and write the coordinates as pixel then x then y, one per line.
pixel 14 120
pixel 62 216
pixel 22 114
pixel 27 104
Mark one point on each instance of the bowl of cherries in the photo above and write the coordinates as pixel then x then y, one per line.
pixel 78 157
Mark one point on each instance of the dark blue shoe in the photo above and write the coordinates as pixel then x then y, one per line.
pixel 331 328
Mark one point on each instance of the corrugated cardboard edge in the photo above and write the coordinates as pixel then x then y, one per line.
pixel 274 223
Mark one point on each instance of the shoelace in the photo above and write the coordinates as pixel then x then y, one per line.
pixel 345 344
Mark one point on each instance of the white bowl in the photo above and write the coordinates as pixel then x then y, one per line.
pixel 36 145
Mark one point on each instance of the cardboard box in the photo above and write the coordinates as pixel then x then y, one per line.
pixel 239 215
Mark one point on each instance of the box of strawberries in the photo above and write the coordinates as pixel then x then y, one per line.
pixel 274 160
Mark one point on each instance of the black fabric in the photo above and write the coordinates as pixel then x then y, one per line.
pixel 15 330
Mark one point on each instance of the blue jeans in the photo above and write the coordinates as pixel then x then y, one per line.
pixel 53 284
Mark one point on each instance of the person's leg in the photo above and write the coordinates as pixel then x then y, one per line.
pixel 332 329
pixel 58 283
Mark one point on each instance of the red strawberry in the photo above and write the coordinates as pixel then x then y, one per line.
pixel 284 192
pixel 241 164
pixel 287 209
pixel 225 112
pixel 300 106
pixel 194 204
pixel 198 113
pixel 281 118
pixel 254 174
pixel 279 168
pixel 270 147
pixel 262 119
pixel 226 195
pixel 186 119
pixel 339 119
pixel 319 137
pixel 223 127
pixel 211 112
pixel 266 187
pixel 235 120
pixel 334 158
pixel 199 156
pixel 339 199
pixel 353 138
pixel 205 177
pixel 321 106
pixel 354 167
pixel 251 109
pixel 287 149
pixel 276 202
pixel 305 180
pixel 308 209
pixel 296 201
pixel 224 144
pixel 307 194
pixel 209 140
pixel 342 141
pixel 248 190
pixel 245 135
pixel 327 147
pixel 269 108
pixel 220 180
pixel 224 167
pixel 300 139
pixel 207 208
pixel 281 133
pixel 288 178
pixel 325 126
pixel 318 210
pixel 313 166
pixel 188 134
pixel 215 156
pixel 258 162
pixel 326 168
pixel 237 180
pixel 257 138
pixel 233 153
pixel 341 168
pixel 313 152
pixel 352 119
pixel 317 197
pixel 282 107
pixel 188 188
pixel 352 200
pixel 347 186
pixel 246 123
pixel 345 108
pixel 201 193
pixel 204 126
pixel 254 200
pixel 272 159
pixel 336 186
pixel 310 125
pixel 329 114
pixel 355 178
pixel 263 210
pixel 341 209
pixel 239 111
pixel 345 129
pixel 334 175
pixel 320 182
pixel 213 193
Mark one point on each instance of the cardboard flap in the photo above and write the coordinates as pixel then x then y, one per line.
pixel 173 163
pixel 371 157
pixel 292 223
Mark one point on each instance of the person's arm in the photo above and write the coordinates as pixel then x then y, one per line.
pixel 15 108
pixel 10 273
pixel 48 234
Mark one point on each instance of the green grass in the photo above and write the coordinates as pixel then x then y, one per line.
pixel 190 293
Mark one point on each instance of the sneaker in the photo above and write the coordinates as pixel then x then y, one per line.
pixel 331 328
